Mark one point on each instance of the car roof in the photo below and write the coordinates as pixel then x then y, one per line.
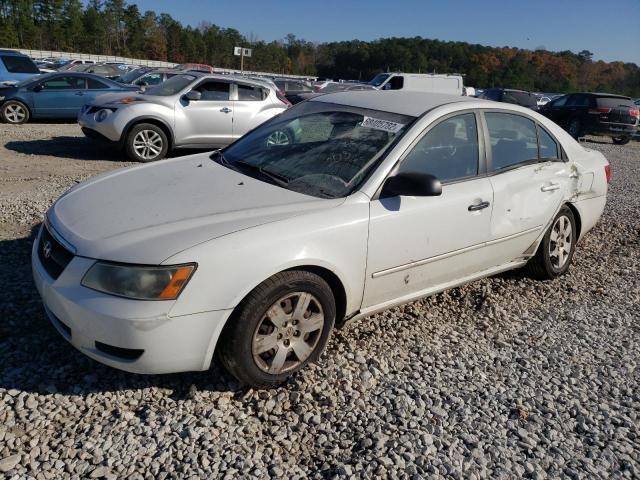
pixel 12 52
pixel 400 102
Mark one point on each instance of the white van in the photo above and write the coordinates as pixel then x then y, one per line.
pixel 422 82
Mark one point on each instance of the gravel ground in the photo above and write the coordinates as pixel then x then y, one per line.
pixel 506 377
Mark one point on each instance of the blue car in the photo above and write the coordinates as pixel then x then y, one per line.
pixel 54 95
pixel 15 67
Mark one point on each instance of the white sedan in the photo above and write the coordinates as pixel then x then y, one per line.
pixel 372 200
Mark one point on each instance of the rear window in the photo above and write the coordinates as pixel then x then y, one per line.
pixel 19 64
pixel 612 102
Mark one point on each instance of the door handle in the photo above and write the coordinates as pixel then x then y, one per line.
pixel 478 206
pixel 225 110
pixel 550 188
pixel 80 94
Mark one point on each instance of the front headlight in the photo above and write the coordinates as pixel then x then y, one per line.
pixel 102 114
pixel 138 282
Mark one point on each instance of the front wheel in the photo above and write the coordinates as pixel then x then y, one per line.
pixel 556 250
pixel 282 325
pixel 146 143
pixel 621 140
pixel 14 112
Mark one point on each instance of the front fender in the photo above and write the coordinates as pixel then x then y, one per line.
pixel 230 267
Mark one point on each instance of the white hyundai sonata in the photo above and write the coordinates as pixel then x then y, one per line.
pixel 340 207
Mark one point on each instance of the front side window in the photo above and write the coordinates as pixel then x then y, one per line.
pixel 559 102
pixel 64 83
pixel 548 146
pixel 379 79
pixel 513 139
pixel 93 84
pixel 317 148
pixel 448 151
pixel 214 91
pixel 250 93
pixel 578 101
pixel 19 64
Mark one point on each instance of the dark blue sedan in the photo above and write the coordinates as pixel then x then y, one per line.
pixel 54 95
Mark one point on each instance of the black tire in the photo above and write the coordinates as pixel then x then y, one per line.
pixel 14 112
pixel 543 266
pixel 574 127
pixel 156 137
pixel 621 140
pixel 237 340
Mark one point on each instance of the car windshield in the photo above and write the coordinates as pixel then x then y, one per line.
pixel 171 86
pixel 316 148
pixel 19 64
pixel 129 77
pixel 379 79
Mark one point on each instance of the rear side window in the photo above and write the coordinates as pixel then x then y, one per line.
pixel 151 79
pixel 513 139
pixel 491 95
pixel 448 151
pixel 93 84
pixel 19 64
pixel 218 91
pixel 548 146
pixel 249 93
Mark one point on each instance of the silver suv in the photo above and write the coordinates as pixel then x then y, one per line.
pixel 190 110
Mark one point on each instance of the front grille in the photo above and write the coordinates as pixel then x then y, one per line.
pixel 53 256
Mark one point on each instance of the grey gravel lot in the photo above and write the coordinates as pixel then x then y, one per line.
pixel 506 377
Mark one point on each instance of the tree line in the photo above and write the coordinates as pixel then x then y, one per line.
pixel 115 27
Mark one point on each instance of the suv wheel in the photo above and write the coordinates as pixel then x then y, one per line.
pixel 282 325
pixel 575 128
pixel 14 112
pixel 621 140
pixel 146 143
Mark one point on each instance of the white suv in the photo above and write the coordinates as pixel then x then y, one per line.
pixel 191 110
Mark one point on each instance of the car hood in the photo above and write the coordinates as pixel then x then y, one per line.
pixel 148 213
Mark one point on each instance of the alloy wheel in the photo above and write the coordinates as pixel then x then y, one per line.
pixel 278 138
pixel 560 242
pixel 15 113
pixel 288 333
pixel 147 144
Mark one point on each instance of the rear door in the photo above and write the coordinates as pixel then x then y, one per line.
pixel 529 179
pixel 248 108
pixel 61 97
pixel 208 121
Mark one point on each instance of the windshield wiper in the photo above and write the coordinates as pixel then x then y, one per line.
pixel 218 156
pixel 274 177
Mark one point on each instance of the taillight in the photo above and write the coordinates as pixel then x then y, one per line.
pixel 607 172
pixel 634 113
pixel 282 98
pixel 600 110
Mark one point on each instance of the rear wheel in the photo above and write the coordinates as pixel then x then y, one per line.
pixel 621 140
pixel 575 128
pixel 14 112
pixel 556 250
pixel 282 325
pixel 146 143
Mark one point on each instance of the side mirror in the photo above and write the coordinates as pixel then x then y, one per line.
pixel 37 88
pixel 193 95
pixel 412 184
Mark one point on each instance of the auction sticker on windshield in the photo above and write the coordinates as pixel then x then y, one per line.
pixel 384 125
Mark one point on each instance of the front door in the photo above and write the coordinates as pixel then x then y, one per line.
pixel 60 97
pixel 418 243
pixel 207 121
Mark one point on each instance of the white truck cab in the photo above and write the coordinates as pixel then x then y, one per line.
pixel 422 82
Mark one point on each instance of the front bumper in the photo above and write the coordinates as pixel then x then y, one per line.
pixel 140 336
pixel 107 129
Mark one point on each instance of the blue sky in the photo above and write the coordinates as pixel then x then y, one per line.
pixel 611 30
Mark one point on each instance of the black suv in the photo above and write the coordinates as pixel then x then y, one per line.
pixel 508 95
pixel 604 114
